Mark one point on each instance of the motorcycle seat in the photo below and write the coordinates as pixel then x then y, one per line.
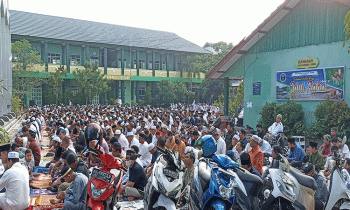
pixel 115 172
pixel 303 179
pixel 245 176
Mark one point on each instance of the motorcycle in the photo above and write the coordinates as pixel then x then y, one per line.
pixel 339 196
pixel 103 186
pixel 287 188
pixel 218 184
pixel 164 189
pixel 279 140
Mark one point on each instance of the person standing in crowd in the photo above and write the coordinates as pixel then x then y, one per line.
pixel 296 153
pixel 276 127
pixel 256 155
pixel 221 145
pixel 325 148
pixel 316 158
pixel 229 135
pixel 16 182
pixel 144 155
pixel 261 132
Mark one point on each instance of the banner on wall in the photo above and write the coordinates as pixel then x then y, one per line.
pixel 311 85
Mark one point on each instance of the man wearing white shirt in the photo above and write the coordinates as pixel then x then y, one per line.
pixel 277 126
pixel 144 155
pixel 16 182
pixel 265 146
pixel 122 140
pixel 221 145
pixel 131 140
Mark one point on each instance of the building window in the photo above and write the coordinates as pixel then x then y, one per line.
pixel 156 65
pixel 95 100
pixel 142 64
pixel 125 66
pixel 54 58
pixel 164 65
pixel 74 59
pixel 94 59
pixel 142 93
pixel 135 64
pixel 150 64
pixel 119 63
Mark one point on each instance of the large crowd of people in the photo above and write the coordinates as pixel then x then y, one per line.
pixel 134 135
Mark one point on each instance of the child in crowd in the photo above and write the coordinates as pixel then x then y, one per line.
pixel 28 161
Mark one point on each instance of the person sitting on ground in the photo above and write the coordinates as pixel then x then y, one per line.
pixel 33 145
pixel 260 130
pixel 154 151
pixel 247 164
pixel 242 136
pixel 179 147
pixel 28 161
pixel 321 193
pixel 296 154
pixel 56 141
pixel 325 148
pixel 16 148
pixel 188 176
pixel 137 179
pixel 74 197
pixel 144 155
pixel 316 158
pixel 275 150
pixel 16 182
pixel 265 147
pixel 239 151
pixel 77 164
pixel 347 165
pixel 117 151
pixel 343 149
pixel 276 127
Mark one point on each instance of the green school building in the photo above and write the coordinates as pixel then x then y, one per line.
pixel 133 58
pixel 296 54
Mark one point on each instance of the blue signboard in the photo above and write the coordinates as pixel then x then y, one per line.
pixel 311 84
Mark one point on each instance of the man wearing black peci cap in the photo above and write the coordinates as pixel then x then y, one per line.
pixel 316 158
pixel 77 164
pixel 4 150
pixel 321 193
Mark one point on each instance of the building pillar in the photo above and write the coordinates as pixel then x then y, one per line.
pixel 175 62
pixel 153 64
pixel 46 60
pixel 137 91
pixel 87 54
pixel 132 86
pixel 83 55
pixel 182 69
pixel 117 88
pixel 122 91
pixel 226 94
pixel 137 63
pixel 166 64
pixel 147 64
pixel 122 61
pixel 105 60
pixel 68 58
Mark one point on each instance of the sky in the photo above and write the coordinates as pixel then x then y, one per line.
pixel 198 21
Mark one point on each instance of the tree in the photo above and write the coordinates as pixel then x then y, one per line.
pixel 148 96
pixel 24 58
pixel 166 92
pixel 55 80
pixel 90 81
pixel 211 90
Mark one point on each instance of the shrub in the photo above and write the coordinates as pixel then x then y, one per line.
pixel 292 117
pixel 16 104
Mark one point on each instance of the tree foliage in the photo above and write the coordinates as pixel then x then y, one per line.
pixel 56 79
pixel 172 92
pixel 292 117
pixel 23 58
pixel 148 96
pixel 90 82
pixel 235 102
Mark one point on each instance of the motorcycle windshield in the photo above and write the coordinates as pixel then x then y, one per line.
pixel 224 162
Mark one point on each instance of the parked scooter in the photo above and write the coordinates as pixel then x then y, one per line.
pixel 339 197
pixel 164 189
pixel 287 188
pixel 105 182
pixel 217 185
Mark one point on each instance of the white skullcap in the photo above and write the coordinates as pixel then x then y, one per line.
pixel 13 155
pixel 122 124
pixel 153 127
pixel 257 139
pixel 150 146
pixel 56 138
pixel 108 127
pixel 236 137
pixel 129 134
pixel 118 132
pixel 138 128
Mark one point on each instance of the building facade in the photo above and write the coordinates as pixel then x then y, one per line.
pixel 132 58
pixel 296 54
pixel 5 58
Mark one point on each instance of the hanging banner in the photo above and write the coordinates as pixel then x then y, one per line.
pixel 311 85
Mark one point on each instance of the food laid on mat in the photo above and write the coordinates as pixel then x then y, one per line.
pixel 43 203
pixel 41 181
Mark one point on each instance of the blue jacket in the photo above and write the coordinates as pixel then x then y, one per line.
pixel 296 154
